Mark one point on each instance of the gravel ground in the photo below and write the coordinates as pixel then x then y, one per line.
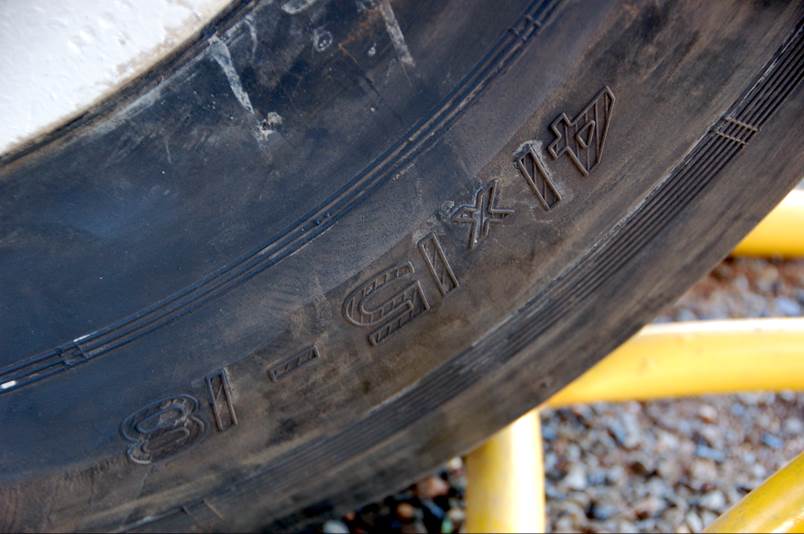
pixel 663 466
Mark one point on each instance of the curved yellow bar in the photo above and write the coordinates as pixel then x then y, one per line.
pixel 775 506
pixel 781 233
pixel 697 358
pixel 506 481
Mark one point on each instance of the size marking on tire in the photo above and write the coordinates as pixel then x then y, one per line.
pixel 162 429
pixel 582 138
pixel 483 213
pixel 220 400
pixel 437 263
pixel 392 313
pixel 408 302
pixel 530 163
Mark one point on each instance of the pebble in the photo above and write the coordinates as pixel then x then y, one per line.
pixel 431 487
pixel 648 507
pixel 641 466
pixel 703 451
pixel 456 515
pixel 405 511
pixel 334 526
pixel 707 413
pixel 800 296
pixel 793 426
pixel 602 510
pixel 772 441
pixel 694 522
pixel 456 464
pixel 576 478
pixel 686 314
pixel 625 431
pixel 787 307
pixel 714 500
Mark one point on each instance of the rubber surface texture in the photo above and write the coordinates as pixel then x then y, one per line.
pixel 331 244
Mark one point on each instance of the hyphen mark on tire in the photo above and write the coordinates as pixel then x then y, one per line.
pixel 291 363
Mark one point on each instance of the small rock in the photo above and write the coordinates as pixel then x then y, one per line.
pixel 759 472
pixel 573 453
pixel 685 314
pixel 596 478
pixel 708 517
pixel 714 501
pixel 649 507
pixel 702 451
pixel 640 466
pixel 772 441
pixel 581 498
pixel 602 510
pixel 740 283
pixel 787 307
pixel 456 515
pixel 576 478
pixel 405 511
pixel 800 296
pixel 565 524
pixel 707 413
pixel 694 522
pixel 669 469
pixel 767 280
pixel 627 528
pixel 667 441
pixel 753 399
pixel 625 431
pixel 550 461
pixel 615 474
pixel 737 409
pixel 333 526
pixel 574 510
pixel 431 487
pixel 455 464
pixel 703 471
pixel 793 426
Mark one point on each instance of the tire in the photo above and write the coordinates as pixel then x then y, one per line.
pixel 330 244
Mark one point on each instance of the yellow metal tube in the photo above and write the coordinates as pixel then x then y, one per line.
pixel 775 506
pixel 680 359
pixel 781 233
pixel 506 481
pixel 505 492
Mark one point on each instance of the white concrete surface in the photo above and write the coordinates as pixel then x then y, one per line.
pixel 59 57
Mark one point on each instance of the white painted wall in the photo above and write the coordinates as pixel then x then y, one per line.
pixel 58 57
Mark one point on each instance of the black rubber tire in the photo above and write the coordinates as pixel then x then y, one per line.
pixel 331 244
